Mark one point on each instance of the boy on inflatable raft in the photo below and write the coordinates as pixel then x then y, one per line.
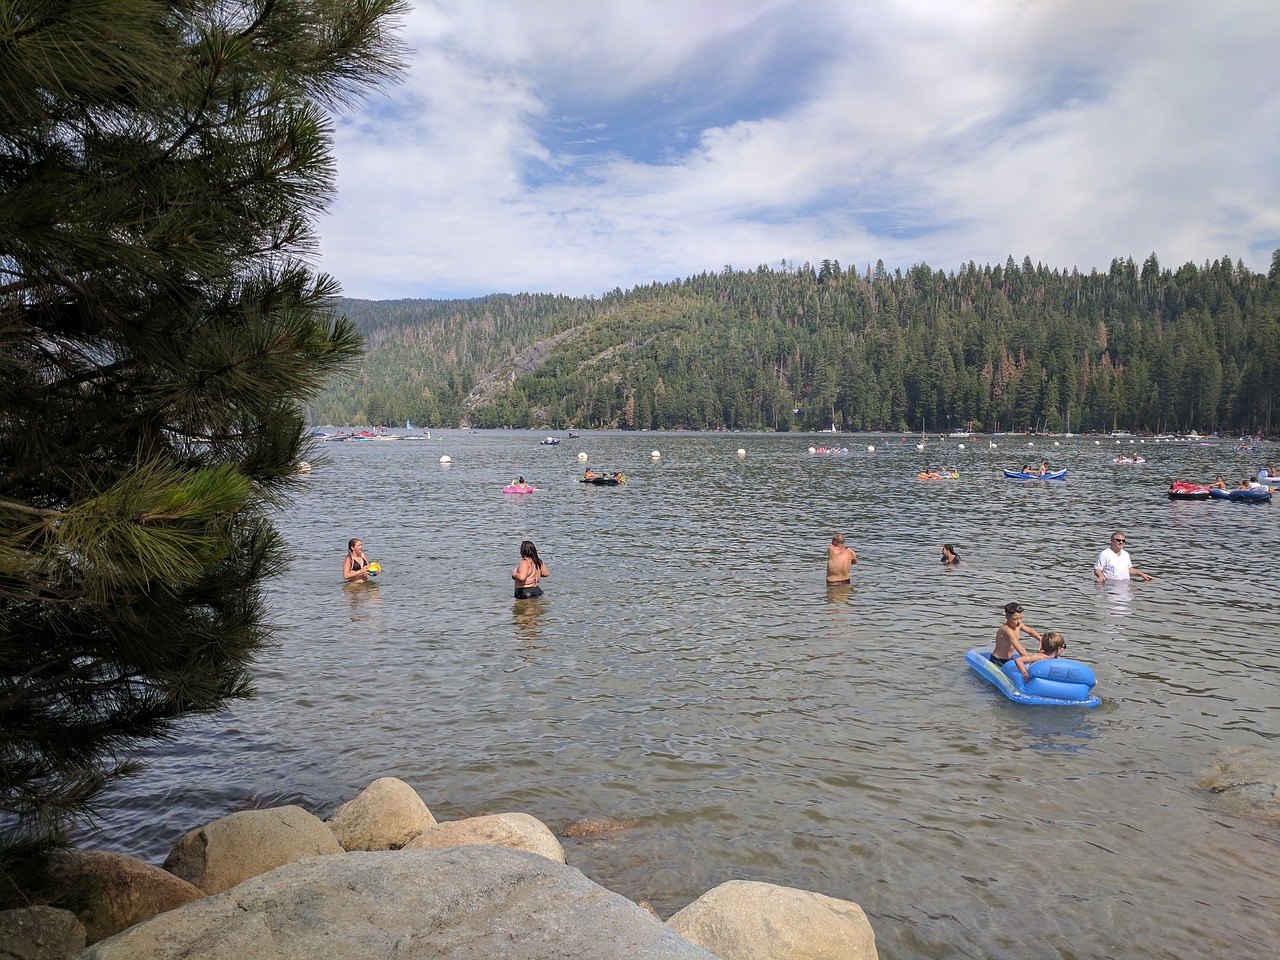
pixel 1044 678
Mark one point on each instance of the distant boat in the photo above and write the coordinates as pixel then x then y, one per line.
pixel 408 425
pixel 550 442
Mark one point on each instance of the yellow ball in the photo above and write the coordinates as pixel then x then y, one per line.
pixel 374 568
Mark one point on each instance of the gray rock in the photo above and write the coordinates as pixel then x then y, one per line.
pixel 744 920
pixel 40 933
pixel 385 816
pixel 130 889
pixel 221 854
pixel 516 831
pixel 463 903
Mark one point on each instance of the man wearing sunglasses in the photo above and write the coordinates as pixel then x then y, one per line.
pixel 1114 563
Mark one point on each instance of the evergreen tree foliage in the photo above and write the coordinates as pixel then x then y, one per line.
pixel 1011 347
pixel 160 167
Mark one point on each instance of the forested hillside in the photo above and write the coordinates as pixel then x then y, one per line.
pixel 1010 347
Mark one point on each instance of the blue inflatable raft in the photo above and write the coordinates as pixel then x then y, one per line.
pixel 1242 496
pixel 1053 683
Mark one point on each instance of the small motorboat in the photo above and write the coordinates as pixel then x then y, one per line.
pixel 1181 490
pixel 550 441
pixel 1021 475
pixel 1255 495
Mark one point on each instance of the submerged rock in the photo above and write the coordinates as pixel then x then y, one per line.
pixel 1248 776
pixel 596 827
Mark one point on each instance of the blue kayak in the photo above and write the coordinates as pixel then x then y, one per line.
pixel 1019 475
pixel 1054 683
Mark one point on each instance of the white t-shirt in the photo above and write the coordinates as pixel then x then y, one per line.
pixel 1114 566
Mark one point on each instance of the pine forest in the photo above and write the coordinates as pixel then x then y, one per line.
pixel 989 348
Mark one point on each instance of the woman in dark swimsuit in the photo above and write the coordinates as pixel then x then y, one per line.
pixel 355 563
pixel 528 572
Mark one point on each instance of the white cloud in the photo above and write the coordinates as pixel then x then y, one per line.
pixel 1072 132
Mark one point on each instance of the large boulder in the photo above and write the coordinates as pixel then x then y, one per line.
pixel 745 920
pixel 385 816
pixel 221 854
pixel 517 831
pixel 128 890
pixel 464 903
pixel 40 933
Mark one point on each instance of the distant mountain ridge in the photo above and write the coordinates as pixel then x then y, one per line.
pixel 1018 346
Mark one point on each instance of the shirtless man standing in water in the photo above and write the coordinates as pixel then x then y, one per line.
pixel 839 559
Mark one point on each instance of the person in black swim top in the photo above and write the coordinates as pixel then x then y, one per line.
pixel 949 555
pixel 355 564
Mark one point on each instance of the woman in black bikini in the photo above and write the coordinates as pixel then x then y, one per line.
pixel 355 563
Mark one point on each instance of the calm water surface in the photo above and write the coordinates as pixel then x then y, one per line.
pixel 688 669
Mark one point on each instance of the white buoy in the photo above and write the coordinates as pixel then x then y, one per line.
pixel 1130 441
pixel 1030 443
pixel 919 446
pixel 960 445
pixel 991 444
pixel 1097 443
pixel 304 467
pixel 446 459
pixel 813 449
pixel 741 452
pixel 655 455
pixel 582 457
pixel 870 449
pixel 1056 444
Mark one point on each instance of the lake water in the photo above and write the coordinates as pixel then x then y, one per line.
pixel 689 670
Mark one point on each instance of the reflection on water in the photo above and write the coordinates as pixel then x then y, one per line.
pixel 527 615
pixel 360 597
pixel 839 592
pixel 692 672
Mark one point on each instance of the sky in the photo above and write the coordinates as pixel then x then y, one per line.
pixel 577 146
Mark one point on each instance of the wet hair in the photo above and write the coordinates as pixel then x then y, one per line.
pixel 527 549
pixel 1011 608
pixel 1053 641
